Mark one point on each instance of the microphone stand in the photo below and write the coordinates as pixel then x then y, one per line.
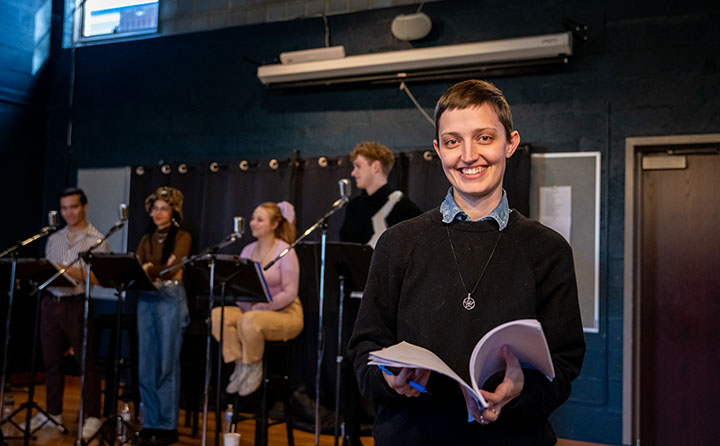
pixel 13 250
pixel 87 257
pixel 44 232
pixel 339 359
pixel 211 254
pixel 322 222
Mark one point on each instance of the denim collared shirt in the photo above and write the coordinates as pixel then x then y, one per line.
pixel 451 211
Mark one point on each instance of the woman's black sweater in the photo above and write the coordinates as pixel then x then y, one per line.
pixel 414 294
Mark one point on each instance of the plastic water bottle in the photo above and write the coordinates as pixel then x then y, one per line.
pixel 123 417
pixel 227 419
pixel 7 428
pixel 125 413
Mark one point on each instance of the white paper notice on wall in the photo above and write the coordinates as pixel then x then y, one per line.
pixel 555 206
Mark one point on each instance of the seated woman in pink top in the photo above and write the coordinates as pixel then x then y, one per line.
pixel 248 326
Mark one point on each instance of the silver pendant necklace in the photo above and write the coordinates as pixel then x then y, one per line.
pixel 468 302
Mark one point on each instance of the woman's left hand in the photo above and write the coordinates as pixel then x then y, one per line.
pixel 509 389
pixel 244 306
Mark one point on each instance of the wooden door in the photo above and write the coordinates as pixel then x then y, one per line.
pixel 680 303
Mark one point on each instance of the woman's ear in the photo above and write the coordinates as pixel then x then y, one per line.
pixel 512 144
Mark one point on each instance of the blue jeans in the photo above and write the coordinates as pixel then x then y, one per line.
pixel 161 317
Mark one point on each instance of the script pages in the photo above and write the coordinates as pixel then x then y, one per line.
pixel 524 337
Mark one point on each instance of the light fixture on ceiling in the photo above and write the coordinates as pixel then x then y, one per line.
pixel 436 62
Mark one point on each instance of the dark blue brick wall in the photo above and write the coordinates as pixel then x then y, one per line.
pixel 648 69
pixel 23 120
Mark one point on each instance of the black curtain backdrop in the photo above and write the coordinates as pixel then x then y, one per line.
pixel 212 199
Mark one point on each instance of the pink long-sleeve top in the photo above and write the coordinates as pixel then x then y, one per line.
pixel 282 278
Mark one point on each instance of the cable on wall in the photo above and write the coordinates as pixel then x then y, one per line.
pixel 404 88
pixel 327 28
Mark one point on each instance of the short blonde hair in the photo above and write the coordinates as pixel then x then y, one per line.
pixel 374 151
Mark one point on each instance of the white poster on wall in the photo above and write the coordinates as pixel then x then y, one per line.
pixel 555 206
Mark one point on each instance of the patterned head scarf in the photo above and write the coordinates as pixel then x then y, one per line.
pixel 170 195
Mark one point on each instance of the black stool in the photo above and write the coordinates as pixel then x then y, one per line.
pixel 270 377
pixel 193 372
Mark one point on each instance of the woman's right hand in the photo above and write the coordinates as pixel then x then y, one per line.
pixel 399 381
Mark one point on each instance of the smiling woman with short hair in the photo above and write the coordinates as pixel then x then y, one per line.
pixel 444 279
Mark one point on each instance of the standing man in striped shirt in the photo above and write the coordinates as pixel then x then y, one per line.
pixel 61 313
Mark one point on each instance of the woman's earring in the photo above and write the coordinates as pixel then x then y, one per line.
pixel 175 222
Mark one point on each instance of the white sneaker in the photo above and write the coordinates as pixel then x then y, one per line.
pixel 237 377
pixel 90 427
pixel 252 379
pixel 41 421
pixel 239 369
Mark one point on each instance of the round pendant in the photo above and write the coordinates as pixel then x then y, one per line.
pixel 469 303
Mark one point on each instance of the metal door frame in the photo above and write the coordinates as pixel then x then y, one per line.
pixel 634 147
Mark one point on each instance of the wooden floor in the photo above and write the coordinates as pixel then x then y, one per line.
pixel 49 436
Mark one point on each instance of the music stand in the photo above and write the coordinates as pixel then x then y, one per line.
pixel 241 278
pixel 349 263
pixel 34 271
pixel 229 276
pixel 122 272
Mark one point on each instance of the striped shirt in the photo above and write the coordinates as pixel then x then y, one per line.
pixel 59 250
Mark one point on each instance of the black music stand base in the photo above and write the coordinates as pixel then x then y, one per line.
pixel 30 404
pixel 32 269
pixel 238 278
pixel 107 433
pixel 122 272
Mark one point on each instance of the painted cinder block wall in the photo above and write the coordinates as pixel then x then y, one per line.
pixel 24 36
pixel 648 68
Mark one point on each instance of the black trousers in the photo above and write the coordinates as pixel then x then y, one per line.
pixel 61 324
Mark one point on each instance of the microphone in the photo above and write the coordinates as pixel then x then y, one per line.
pixel 52 223
pixel 238 226
pixel 345 188
pixel 53 219
pixel 123 212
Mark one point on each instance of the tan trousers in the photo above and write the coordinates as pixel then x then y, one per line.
pixel 245 334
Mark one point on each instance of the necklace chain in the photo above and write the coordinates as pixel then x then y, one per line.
pixel 261 255
pixel 468 301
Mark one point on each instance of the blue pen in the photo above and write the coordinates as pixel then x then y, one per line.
pixel 412 383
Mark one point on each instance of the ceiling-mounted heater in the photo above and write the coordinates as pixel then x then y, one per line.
pixel 437 62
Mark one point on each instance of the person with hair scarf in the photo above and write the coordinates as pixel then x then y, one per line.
pixel 162 316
